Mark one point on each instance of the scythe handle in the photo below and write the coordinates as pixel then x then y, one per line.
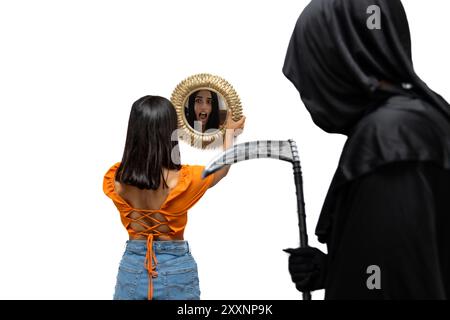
pixel 301 212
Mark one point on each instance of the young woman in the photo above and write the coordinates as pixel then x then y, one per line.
pixel 203 110
pixel 153 193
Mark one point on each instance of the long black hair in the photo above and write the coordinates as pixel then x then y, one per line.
pixel 213 120
pixel 151 144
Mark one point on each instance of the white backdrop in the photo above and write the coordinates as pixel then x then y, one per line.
pixel 69 72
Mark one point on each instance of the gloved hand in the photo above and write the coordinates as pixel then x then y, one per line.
pixel 307 267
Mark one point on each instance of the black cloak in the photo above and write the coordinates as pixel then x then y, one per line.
pixel 389 202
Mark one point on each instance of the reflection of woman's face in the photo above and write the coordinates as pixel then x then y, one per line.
pixel 202 106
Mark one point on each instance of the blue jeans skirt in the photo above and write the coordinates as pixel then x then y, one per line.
pixel 177 272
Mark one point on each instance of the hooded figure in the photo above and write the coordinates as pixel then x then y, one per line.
pixel 386 216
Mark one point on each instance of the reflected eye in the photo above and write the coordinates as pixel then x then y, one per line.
pixel 198 100
pixel 208 101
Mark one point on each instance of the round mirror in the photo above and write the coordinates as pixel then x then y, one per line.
pixel 203 103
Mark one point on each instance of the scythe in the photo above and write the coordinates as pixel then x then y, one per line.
pixel 281 150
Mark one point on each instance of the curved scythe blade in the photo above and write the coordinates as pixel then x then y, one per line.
pixel 272 149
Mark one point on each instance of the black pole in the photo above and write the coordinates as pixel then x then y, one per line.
pixel 300 203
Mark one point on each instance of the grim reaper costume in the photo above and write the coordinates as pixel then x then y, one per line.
pixel 388 204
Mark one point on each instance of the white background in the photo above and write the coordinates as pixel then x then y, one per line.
pixel 69 72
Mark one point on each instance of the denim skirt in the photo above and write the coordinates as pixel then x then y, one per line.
pixel 177 272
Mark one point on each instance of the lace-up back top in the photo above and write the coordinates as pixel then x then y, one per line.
pixel 169 220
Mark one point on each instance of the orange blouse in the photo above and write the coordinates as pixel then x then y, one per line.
pixel 190 188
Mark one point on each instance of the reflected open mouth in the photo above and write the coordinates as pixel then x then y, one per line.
pixel 202 115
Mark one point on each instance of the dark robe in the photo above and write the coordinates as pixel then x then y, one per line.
pixel 389 202
pixel 394 211
pixel 397 218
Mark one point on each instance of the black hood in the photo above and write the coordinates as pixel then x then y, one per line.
pixel 343 69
